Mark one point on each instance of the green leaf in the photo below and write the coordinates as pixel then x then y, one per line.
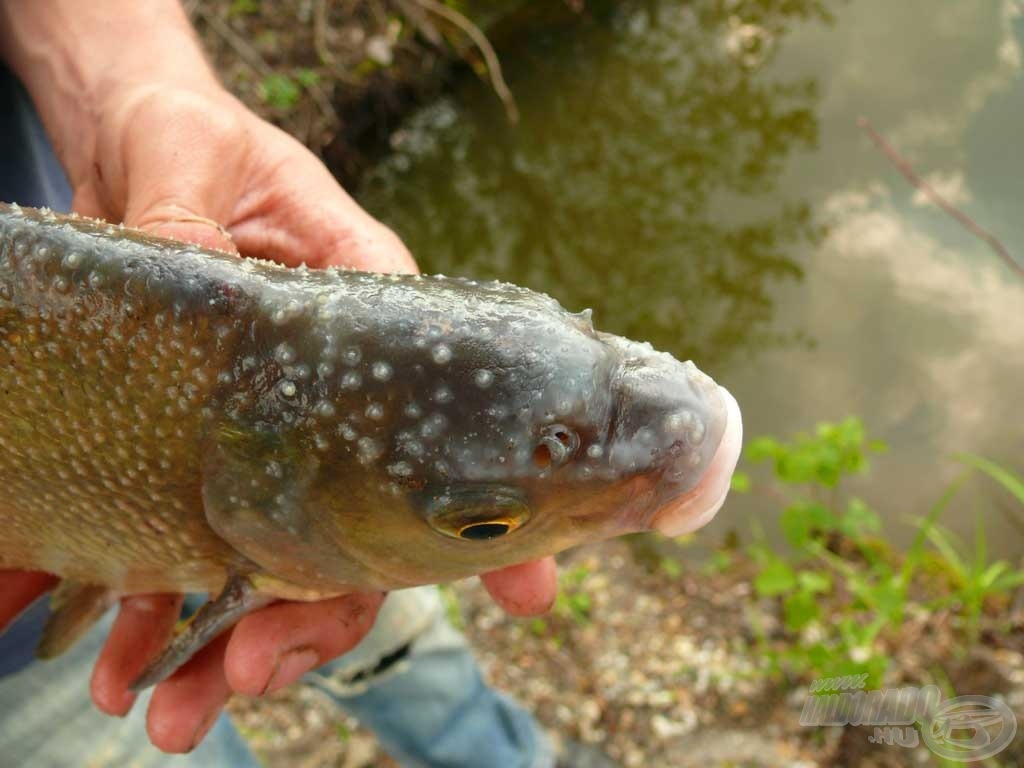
pixel 814 581
pixel 801 520
pixel 740 482
pixel 916 552
pixel 859 520
pixel 671 567
pixel 799 610
pixel 762 448
pixel 775 578
pixel 279 91
pixel 990 575
pixel 1008 581
pixel 1006 478
pixel 239 7
pixel 307 78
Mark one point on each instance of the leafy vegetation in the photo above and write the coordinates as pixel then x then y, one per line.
pixel 841 590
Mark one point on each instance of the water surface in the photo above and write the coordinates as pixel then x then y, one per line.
pixel 694 173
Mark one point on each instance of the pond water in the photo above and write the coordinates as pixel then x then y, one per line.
pixel 694 172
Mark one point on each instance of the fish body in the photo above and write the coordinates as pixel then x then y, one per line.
pixel 172 416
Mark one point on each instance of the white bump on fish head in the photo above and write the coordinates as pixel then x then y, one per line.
pixel 284 354
pixel 441 354
pixel 324 409
pixel 368 450
pixel 382 371
pixel 400 469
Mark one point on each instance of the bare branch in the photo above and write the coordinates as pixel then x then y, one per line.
pixel 904 167
pixel 241 46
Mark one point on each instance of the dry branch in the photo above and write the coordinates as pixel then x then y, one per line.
pixel 904 167
pixel 486 49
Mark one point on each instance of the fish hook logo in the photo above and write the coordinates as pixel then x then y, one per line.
pixel 968 728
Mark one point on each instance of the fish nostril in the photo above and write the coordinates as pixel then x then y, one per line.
pixel 558 444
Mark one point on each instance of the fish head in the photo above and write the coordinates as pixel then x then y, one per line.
pixel 506 429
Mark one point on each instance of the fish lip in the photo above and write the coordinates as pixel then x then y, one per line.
pixel 695 508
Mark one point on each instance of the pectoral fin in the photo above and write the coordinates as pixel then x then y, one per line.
pixel 238 598
pixel 74 608
pixel 256 496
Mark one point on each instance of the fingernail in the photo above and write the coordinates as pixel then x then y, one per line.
pixel 290 667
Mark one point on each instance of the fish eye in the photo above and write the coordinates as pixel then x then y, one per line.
pixel 494 529
pixel 556 446
pixel 477 515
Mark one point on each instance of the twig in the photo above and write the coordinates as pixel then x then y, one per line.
pixel 246 52
pixel 904 167
pixel 486 49
pixel 320 32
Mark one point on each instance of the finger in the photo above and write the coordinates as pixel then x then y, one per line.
pixel 275 646
pixel 141 630
pixel 524 590
pixel 20 590
pixel 185 706
pixel 302 215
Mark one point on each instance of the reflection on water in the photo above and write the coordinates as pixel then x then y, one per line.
pixel 639 127
pixel 694 173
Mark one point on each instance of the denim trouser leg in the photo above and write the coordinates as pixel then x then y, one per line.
pixel 431 707
pixel 47 719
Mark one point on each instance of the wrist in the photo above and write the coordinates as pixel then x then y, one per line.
pixel 85 62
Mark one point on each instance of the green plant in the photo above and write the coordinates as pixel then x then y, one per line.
pixel 452 609
pixel 243 7
pixel 279 90
pixel 842 593
pixel 573 602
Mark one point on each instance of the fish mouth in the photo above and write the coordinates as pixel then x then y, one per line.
pixel 695 508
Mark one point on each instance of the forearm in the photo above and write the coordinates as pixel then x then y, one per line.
pixel 79 60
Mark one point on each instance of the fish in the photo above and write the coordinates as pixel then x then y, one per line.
pixel 177 419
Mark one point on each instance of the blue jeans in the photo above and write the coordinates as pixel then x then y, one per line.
pixel 428 707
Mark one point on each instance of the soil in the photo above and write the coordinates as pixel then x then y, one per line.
pixel 657 669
